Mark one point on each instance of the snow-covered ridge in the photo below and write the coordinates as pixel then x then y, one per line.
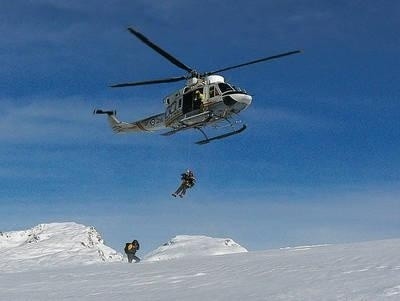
pixel 54 244
pixel 58 244
pixel 194 246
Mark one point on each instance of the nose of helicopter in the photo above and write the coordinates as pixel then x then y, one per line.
pixel 235 98
pixel 243 98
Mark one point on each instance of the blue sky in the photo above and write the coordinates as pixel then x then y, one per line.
pixel 318 163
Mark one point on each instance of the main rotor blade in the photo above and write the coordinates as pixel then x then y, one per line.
pixel 165 54
pixel 150 82
pixel 256 61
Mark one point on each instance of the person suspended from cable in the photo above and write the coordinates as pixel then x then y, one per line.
pixel 188 181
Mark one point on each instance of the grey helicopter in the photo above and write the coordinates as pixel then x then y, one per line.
pixel 206 100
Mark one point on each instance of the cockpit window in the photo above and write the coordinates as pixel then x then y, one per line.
pixel 224 87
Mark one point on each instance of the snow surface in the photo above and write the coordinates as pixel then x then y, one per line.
pixel 366 271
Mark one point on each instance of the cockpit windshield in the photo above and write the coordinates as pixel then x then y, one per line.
pixel 224 87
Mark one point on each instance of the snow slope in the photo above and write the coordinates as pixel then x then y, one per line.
pixel 368 271
pixel 194 246
pixel 51 245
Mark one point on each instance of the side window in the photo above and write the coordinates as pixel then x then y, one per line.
pixel 172 108
pixel 212 91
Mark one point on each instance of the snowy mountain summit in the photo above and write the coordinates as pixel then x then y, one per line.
pixel 194 246
pixel 54 244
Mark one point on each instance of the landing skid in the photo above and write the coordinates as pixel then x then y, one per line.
pixel 199 127
pixel 207 140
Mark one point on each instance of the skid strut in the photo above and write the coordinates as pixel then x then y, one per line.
pixel 207 140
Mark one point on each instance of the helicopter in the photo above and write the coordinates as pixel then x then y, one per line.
pixel 206 100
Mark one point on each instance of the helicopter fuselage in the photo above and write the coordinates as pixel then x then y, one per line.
pixel 204 101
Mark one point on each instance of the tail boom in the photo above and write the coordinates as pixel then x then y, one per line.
pixel 150 124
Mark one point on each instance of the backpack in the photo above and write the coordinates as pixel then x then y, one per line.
pixel 128 247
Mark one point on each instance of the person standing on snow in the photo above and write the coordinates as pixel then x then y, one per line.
pixel 188 181
pixel 130 251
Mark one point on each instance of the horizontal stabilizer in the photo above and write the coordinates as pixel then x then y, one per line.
pixel 109 113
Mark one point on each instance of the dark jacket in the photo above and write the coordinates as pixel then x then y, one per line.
pixel 131 247
pixel 189 179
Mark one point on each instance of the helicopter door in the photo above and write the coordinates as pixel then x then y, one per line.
pixel 187 102
pixel 191 101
